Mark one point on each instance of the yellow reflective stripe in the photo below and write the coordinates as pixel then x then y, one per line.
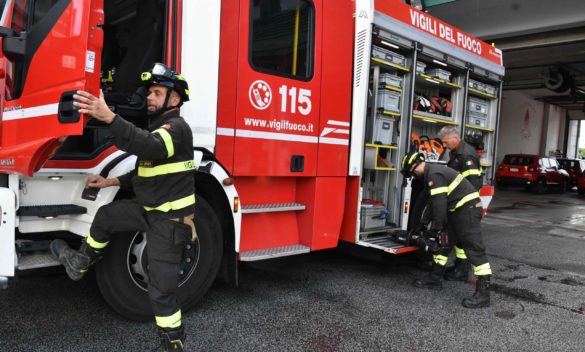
pixel 164 169
pixel 482 270
pixel 440 259
pixel 460 253
pixel 439 190
pixel 465 199
pixel 172 321
pixel 166 136
pixel 475 172
pixel 404 163
pixel 174 205
pixel 455 183
pixel 95 244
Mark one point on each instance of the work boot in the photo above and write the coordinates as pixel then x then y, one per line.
pixel 433 280
pixel 481 297
pixel 75 262
pixel 172 340
pixel 458 272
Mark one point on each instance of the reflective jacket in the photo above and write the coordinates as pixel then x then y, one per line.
pixel 449 192
pixel 163 179
pixel 466 161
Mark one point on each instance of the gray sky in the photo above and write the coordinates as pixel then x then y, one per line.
pixel 582 135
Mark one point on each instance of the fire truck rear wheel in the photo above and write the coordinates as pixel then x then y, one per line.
pixel 122 275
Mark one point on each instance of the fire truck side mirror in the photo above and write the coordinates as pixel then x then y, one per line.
pixel 13 44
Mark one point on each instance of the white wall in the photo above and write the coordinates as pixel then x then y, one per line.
pixel 553 137
pixel 521 126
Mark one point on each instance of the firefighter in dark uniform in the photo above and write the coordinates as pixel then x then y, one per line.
pixel 163 182
pixel 464 159
pixel 455 201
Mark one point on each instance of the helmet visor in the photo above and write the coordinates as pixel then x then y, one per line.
pixel 158 74
pixel 162 70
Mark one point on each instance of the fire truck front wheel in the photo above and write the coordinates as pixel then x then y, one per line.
pixel 122 276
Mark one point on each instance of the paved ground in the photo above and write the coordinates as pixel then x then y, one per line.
pixel 334 301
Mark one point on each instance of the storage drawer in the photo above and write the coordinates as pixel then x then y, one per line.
pixel 490 89
pixel 476 85
pixel 477 120
pixel 389 79
pixel 420 67
pixel 372 216
pixel 388 55
pixel 383 130
pixel 389 100
pixel 441 74
pixel 477 106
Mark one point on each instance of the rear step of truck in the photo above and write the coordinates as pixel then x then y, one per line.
pixel 51 211
pixel 34 255
pixel 269 208
pixel 276 252
pixel 386 243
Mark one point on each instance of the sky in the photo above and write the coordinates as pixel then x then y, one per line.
pixel 582 135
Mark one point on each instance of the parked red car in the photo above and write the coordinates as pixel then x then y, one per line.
pixel 574 167
pixel 534 172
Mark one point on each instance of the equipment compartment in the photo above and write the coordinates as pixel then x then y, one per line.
pixel 389 79
pixel 478 107
pixel 388 100
pixel 372 216
pixel 388 55
pixel 439 73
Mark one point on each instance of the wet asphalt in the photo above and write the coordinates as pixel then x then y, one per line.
pixel 346 300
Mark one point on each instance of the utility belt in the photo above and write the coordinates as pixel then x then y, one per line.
pixel 188 220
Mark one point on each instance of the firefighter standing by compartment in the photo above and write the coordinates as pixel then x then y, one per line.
pixel 163 182
pixel 464 159
pixel 455 201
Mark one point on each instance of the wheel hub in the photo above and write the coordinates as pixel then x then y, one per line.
pixel 137 261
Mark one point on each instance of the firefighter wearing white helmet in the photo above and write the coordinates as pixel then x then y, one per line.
pixel 164 185
pixel 456 201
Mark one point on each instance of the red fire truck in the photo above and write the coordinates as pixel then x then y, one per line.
pixel 300 112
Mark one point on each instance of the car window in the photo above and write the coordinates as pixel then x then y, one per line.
pixel 553 163
pixel 517 160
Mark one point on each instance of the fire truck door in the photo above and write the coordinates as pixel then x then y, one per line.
pixel 50 49
pixel 278 89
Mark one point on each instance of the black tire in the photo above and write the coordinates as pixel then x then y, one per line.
pixel 564 185
pixel 540 186
pixel 120 275
pixel 420 206
pixel 581 191
pixel 501 185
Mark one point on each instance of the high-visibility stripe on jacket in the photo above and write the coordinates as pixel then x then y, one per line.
pixel 466 161
pixel 163 179
pixel 449 191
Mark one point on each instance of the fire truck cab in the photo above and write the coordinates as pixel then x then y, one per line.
pixel 300 111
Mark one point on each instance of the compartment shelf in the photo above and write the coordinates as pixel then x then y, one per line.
pixel 372 157
pixel 432 118
pixel 396 89
pixel 479 128
pixel 389 113
pixel 482 94
pixel 423 78
pixel 390 65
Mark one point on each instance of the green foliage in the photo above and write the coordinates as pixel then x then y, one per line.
pixel 581 153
